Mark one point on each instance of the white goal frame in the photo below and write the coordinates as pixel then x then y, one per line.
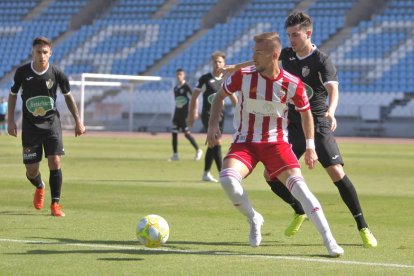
pixel 131 84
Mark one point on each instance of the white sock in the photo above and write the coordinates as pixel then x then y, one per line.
pixel 230 180
pixel 310 204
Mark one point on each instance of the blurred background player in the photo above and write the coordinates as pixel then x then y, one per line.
pixel 41 128
pixel 261 136
pixel 317 71
pixel 182 94
pixel 209 84
pixel 3 115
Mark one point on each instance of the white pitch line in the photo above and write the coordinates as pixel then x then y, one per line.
pixel 92 245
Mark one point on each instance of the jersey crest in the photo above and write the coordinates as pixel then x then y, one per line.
pixel 49 83
pixel 305 71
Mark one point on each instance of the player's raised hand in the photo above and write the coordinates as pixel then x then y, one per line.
pixel 227 69
pixel 79 129
pixel 311 158
pixel 213 136
pixel 12 128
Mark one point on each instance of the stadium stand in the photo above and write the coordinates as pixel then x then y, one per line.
pixel 375 59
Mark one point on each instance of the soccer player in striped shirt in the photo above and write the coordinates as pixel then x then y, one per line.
pixel 261 136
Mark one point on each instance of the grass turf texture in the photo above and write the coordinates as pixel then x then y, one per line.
pixel 111 182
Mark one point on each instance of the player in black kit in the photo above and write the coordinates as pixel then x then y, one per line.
pixel 41 127
pixel 182 94
pixel 209 84
pixel 318 73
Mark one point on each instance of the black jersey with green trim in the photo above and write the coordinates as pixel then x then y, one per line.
pixel 182 94
pixel 314 70
pixel 209 85
pixel 39 92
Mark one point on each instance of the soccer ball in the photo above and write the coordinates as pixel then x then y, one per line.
pixel 153 231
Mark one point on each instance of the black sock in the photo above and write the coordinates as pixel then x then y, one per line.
pixel 217 157
pixel 37 181
pixel 350 197
pixel 191 139
pixel 208 159
pixel 280 189
pixel 55 182
pixel 174 141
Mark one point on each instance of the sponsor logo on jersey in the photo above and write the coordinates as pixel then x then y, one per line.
pixel 29 78
pixel 305 71
pixel 39 105
pixel 180 101
pixel 212 80
pixel 211 98
pixel 228 81
pixel 49 83
pixel 309 91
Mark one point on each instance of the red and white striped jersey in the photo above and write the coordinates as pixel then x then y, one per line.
pixel 261 112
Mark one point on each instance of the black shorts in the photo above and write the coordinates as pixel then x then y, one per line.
pixel 325 143
pixel 206 117
pixel 179 124
pixel 2 118
pixel 35 139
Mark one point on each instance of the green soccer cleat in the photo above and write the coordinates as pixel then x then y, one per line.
pixel 368 238
pixel 295 224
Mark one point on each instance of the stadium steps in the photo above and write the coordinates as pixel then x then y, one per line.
pixel 37 10
pixel 182 47
pixel 164 9
pixel 398 103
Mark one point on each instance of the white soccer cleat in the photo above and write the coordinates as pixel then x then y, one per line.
pixel 334 249
pixel 255 237
pixel 174 157
pixel 198 155
pixel 208 177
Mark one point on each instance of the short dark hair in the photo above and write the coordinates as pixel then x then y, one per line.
pixel 41 40
pixel 299 18
pixel 179 70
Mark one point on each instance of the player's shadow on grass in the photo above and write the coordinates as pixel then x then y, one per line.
pixel 20 213
pixel 173 247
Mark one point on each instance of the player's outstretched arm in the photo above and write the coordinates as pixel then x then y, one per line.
pixel 70 102
pixel 213 132
pixel 193 107
pixel 11 125
pixel 229 69
pixel 308 128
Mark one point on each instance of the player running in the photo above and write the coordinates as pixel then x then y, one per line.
pixel 41 129
pixel 261 136
pixel 182 94
pixel 209 84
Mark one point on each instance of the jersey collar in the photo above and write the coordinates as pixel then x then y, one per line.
pixel 313 51
pixel 36 72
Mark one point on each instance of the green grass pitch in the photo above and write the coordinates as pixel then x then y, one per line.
pixel 110 182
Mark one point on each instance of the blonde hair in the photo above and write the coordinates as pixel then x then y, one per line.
pixel 217 54
pixel 271 38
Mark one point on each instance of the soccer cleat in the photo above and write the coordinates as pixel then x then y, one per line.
pixel 174 157
pixel 295 224
pixel 255 237
pixel 56 210
pixel 208 177
pixel 334 249
pixel 198 155
pixel 39 197
pixel 368 238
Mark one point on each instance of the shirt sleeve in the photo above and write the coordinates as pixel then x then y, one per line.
pixel 63 82
pixel 300 98
pixel 17 82
pixel 328 71
pixel 233 83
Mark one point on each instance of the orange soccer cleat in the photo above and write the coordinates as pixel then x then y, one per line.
pixel 56 210
pixel 38 199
